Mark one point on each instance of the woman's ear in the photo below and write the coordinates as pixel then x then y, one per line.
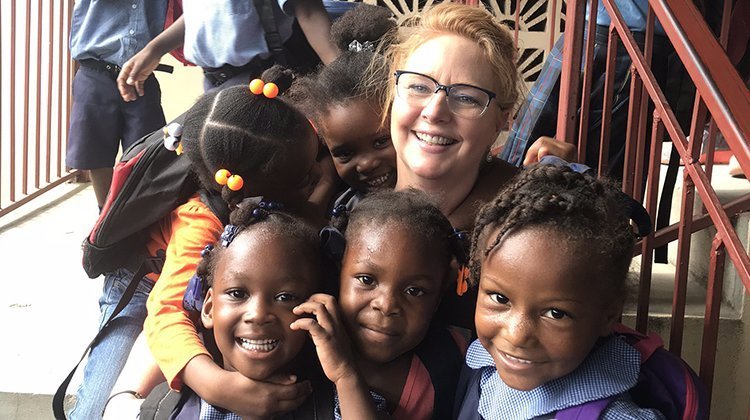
pixel 206 311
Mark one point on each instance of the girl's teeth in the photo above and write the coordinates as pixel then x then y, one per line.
pixel 430 139
pixel 258 345
pixel 378 181
pixel 515 359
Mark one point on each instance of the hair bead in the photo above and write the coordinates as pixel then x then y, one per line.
pixel 235 182
pixel 222 176
pixel 256 86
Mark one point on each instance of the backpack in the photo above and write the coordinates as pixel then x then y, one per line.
pixel 665 383
pixel 147 184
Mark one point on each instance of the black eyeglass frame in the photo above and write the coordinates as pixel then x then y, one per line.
pixel 447 88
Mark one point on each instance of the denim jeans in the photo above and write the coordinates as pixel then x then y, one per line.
pixel 107 358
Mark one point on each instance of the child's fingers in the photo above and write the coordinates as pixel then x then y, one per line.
pixel 310 325
pixel 320 311
pixel 330 304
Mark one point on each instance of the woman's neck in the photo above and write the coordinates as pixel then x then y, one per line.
pixel 449 194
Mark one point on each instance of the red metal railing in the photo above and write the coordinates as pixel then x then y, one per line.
pixel 720 95
pixel 34 99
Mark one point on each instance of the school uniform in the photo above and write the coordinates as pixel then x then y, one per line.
pixel 609 371
pixel 105 34
pixel 226 38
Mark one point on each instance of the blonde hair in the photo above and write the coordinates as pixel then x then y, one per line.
pixel 474 23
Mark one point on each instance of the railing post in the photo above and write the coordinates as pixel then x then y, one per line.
pixel 713 309
pixel 647 250
pixel 571 69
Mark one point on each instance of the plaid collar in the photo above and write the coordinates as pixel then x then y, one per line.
pixel 610 369
pixel 209 412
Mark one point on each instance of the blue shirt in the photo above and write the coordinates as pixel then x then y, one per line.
pixel 219 32
pixel 114 30
pixel 634 12
pixel 610 370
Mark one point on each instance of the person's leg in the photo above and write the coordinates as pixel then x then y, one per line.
pixel 95 125
pixel 108 356
pixel 101 178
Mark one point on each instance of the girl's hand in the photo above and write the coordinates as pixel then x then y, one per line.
pixel 241 395
pixel 327 332
pixel 544 146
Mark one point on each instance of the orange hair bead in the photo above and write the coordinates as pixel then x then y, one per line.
pixel 222 176
pixel 270 90
pixel 256 86
pixel 235 183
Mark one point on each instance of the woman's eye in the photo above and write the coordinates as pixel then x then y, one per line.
pixel 467 100
pixel 501 299
pixel 366 280
pixel 382 143
pixel 414 291
pixel 286 297
pixel 418 89
pixel 236 293
pixel 556 314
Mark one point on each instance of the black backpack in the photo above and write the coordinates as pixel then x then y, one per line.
pixel 147 184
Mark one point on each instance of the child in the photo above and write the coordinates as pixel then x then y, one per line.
pixel 551 254
pixel 240 144
pixel 395 270
pixel 345 106
pixel 266 263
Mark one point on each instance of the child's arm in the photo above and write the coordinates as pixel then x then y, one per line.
pixel 174 341
pixel 334 352
pixel 136 70
pixel 315 23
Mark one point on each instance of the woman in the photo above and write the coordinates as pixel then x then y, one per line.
pixel 454 83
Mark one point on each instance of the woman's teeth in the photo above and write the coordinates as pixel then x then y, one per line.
pixel 438 140
pixel 258 345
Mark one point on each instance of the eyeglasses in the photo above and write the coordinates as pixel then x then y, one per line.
pixel 464 100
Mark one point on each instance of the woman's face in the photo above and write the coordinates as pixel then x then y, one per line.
pixel 431 142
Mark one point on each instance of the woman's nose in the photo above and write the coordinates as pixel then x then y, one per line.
pixel 436 109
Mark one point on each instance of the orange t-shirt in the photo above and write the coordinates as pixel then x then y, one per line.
pixel 171 334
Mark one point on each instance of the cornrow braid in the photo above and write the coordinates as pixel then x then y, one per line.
pixel 578 206
pixel 415 212
pixel 241 132
pixel 250 216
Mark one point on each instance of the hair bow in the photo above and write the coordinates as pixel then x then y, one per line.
pixel 173 137
pixel 356 46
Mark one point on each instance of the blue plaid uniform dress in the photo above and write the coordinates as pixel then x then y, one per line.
pixel 610 370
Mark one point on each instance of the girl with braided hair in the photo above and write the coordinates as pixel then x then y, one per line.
pixel 343 100
pixel 550 255
pixel 395 252
pixel 242 141
pixel 265 263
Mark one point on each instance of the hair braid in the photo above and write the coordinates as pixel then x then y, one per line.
pixel 578 206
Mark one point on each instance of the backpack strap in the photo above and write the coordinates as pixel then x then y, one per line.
pixel 267 11
pixel 217 205
pixel 149 265
pixel 161 402
pixel 443 360
pixel 646 344
pixel 586 411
